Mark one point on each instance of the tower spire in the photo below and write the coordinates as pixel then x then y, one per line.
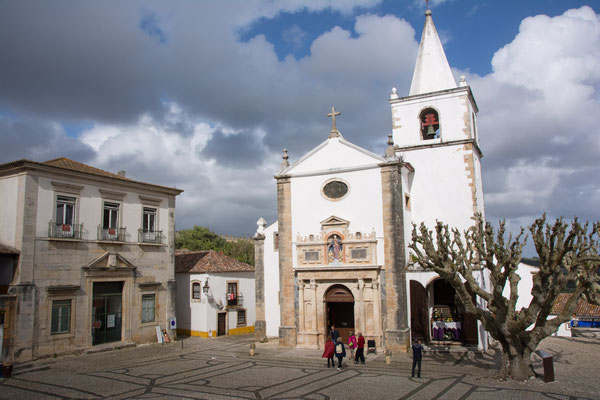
pixel 432 71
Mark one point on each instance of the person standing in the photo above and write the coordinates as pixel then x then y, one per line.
pixel 360 349
pixel 417 356
pixel 334 333
pixel 328 353
pixel 352 344
pixel 340 352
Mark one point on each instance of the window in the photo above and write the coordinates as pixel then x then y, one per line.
pixel 61 317
pixel 241 317
pixel 196 290
pixel 111 216
pixel 335 190
pixel 232 294
pixel 65 217
pixel 149 233
pixel 148 302
pixel 275 241
pixel 110 222
pixel 430 124
pixel 149 219
pixel 2 317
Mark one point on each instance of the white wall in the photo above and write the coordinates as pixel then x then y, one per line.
pixel 271 271
pixel 450 107
pixel 440 188
pixel 362 206
pixel 9 188
pixel 201 315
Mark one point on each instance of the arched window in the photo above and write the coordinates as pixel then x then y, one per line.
pixel 430 124
pixel 196 290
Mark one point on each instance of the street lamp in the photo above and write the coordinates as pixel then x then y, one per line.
pixel 205 287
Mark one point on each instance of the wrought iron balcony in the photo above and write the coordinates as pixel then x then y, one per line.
pixel 112 234
pixel 236 301
pixel 64 231
pixel 145 236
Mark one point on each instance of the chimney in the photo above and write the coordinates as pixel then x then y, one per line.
pixel 121 173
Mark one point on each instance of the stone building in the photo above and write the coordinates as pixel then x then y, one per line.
pixel 338 252
pixel 95 260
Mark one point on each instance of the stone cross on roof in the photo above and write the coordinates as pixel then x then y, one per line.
pixel 334 131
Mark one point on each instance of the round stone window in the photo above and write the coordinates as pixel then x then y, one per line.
pixel 335 190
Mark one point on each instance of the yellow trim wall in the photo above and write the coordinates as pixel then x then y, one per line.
pixel 235 331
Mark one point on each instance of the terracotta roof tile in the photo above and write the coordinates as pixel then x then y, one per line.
pixel 208 261
pixel 583 309
pixel 66 163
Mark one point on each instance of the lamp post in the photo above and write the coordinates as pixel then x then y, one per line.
pixel 205 287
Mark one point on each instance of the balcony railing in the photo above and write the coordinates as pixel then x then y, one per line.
pixel 64 231
pixel 145 236
pixel 237 300
pixel 112 234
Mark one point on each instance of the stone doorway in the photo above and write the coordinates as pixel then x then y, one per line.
pixel 339 306
pixel 107 308
pixel 448 324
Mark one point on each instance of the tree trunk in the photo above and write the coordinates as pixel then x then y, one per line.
pixel 516 364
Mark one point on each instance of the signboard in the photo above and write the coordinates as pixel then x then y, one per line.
pixel 110 321
pixel 159 336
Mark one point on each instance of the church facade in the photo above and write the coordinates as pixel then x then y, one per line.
pixel 338 252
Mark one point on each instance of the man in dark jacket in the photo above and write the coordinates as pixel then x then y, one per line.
pixel 417 356
pixel 334 333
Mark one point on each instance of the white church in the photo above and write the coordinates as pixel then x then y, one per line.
pixel 338 252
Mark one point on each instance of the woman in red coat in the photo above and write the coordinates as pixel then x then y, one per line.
pixel 328 353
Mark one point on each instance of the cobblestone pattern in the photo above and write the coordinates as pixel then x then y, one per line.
pixel 221 369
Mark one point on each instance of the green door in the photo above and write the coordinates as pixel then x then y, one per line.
pixel 107 312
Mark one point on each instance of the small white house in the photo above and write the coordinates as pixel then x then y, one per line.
pixel 215 294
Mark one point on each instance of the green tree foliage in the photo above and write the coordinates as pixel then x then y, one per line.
pixel 202 238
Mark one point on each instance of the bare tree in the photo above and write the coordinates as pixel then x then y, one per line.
pixel 566 253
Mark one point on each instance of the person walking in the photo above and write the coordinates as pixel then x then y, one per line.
pixel 334 333
pixel 340 352
pixel 352 344
pixel 417 356
pixel 328 353
pixel 360 349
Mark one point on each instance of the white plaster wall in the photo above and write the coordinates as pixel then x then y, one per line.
pixel 451 108
pixel 89 207
pixel 440 188
pixel 334 153
pixel 362 206
pixel 271 271
pixel 9 188
pixel 202 315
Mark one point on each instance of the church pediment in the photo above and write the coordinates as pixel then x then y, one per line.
pixel 335 221
pixel 109 262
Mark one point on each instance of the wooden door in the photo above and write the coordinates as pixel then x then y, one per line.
pixel 221 324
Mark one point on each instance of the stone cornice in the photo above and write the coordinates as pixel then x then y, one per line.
pixel 454 91
pixel 441 144
pixel 20 166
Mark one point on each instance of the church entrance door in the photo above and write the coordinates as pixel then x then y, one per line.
pixel 339 304
pixel 448 324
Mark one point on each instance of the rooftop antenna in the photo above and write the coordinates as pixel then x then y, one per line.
pixel 427 3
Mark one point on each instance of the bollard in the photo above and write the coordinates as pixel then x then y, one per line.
pixel 252 349
pixel 548 365
pixel 182 343
pixel 388 357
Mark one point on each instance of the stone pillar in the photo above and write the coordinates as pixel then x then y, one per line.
pixel 260 325
pixel 396 326
pixel 287 296
pixel 27 326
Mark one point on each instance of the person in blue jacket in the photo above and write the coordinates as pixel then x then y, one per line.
pixel 340 352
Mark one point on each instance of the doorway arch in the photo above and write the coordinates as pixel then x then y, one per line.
pixel 339 306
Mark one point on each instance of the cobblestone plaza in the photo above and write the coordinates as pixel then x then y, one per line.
pixel 222 368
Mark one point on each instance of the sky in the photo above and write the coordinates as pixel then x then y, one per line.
pixel 205 95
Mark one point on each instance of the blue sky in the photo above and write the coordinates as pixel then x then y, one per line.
pixel 204 95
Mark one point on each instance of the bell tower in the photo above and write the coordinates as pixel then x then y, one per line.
pixel 435 130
